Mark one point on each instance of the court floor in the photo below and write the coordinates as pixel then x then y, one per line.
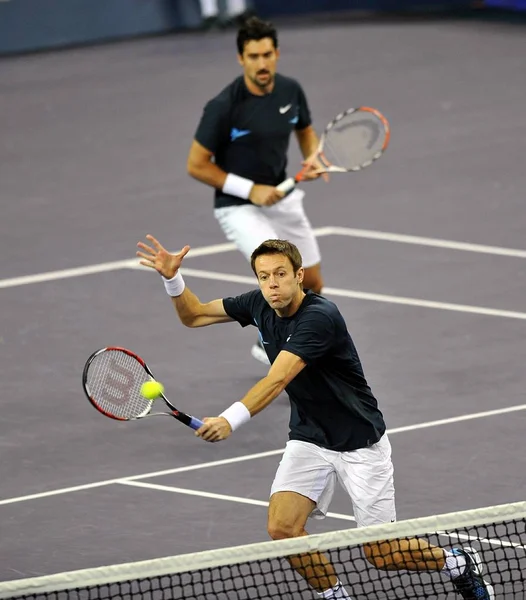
pixel 424 254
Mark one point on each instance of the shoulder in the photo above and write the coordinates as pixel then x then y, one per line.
pixel 245 308
pixel 286 81
pixel 288 84
pixel 321 310
pixel 252 300
pixel 255 296
pixel 227 97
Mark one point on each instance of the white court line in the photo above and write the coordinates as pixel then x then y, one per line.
pixel 121 264
pixel 251 501
pixel 425 241
pixel 104 267
pixel 237 459
pixel 328 291
pixel 490 541
pixel 66 273
pixel 237 499
pixel 228 247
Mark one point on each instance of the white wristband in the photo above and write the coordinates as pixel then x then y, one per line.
pixel 174 286
pixel 237 186
pixel 236 415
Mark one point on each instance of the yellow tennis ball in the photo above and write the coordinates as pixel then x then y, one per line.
pixel 152 389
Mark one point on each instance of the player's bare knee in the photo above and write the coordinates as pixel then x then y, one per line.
pixel 282 530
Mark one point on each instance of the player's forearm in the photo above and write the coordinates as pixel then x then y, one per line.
pixel 208 173
pixel 262 394
pixel 308 141
pixel 188 307
pixel 230 183
pixel 193 313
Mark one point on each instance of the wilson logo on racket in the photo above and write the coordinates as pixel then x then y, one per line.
pixel 112 381
pixel 117 384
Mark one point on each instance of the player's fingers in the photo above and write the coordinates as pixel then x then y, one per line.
pixel 146 263
pixel 145 256
pixel 183 252
pixel 203 429
pixel 310 160
pixel 211 435
pixel 158 246
pixel 146 248
pixel 210 430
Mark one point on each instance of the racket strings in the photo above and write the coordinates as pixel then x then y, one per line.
pixel 355 140
pixel 114 379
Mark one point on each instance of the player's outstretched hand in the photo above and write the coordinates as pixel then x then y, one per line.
pixel 158 258
pixel 214 429
pixel 265 195
pixel 313 168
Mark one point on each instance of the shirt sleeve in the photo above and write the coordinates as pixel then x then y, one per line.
pixel 241 308
pixel 304 118
pixel 212 130
pixel 313 336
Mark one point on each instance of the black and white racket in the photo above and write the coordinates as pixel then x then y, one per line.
pixel 112 380
pixel 353 140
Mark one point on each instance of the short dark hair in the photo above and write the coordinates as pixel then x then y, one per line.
pixel 255 28
pixel 284 247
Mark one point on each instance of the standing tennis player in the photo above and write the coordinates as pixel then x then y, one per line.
pixel 337 431
pixel 235 11
pixel 240 149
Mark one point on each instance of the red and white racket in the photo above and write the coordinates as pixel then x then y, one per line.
pixel 353 140
pixel 112 381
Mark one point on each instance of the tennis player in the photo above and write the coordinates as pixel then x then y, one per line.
pixel 337 432
pixel 240 149
pixel 235 11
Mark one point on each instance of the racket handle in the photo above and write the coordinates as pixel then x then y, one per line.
pixel 188 420
pixel 287 186
pixel 195 423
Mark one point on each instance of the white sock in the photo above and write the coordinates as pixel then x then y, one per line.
pixel 455 564
pixel 209 8
pixel 338 592
pixel 235 7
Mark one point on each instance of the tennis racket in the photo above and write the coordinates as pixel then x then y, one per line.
pixel 353 140
pixel 112 380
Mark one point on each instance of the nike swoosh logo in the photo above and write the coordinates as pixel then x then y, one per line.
pixel 237 133
pixel 284 109
pixel 288 338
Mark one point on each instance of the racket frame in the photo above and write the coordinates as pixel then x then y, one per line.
pixel 188 420
pixel 289 184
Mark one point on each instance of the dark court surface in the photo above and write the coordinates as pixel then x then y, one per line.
pixel 93 145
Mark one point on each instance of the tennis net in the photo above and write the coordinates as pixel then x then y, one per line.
pixel 260 571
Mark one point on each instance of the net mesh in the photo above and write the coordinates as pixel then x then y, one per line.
pixel 355 140
pixel 113 382
pixel 261 571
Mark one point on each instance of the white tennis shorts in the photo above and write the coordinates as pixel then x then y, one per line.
pixel 249 225
pixel 366 474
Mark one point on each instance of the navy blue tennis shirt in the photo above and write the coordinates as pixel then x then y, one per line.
pixel 332 405
pixel 249 135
